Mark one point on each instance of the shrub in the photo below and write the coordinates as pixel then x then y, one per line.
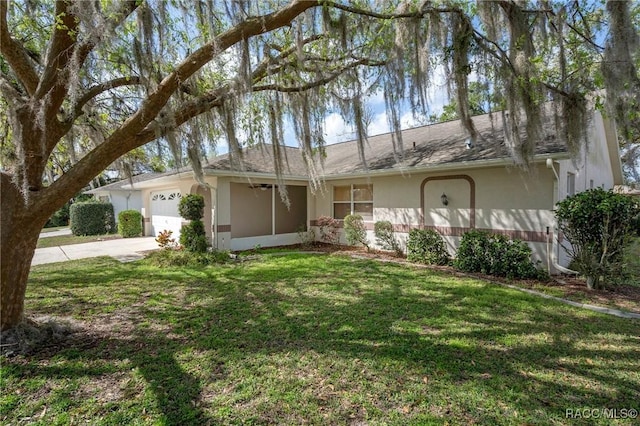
pixel 635 224
pixel 92 218
pixel 355 231
pixel 495 254
pixel 191 207
pixel 59 218
pixel 473 251
pixel 192 236
pixel 328 227
pixel 130 223
pixel 385 238
pixel 595 223
pixel 165 241
pixel 426 246
pixel 307 236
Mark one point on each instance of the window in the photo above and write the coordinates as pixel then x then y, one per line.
pixel 591 186
pixel 353 199
pixel 571 184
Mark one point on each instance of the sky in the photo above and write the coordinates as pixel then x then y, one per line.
pixel 337 130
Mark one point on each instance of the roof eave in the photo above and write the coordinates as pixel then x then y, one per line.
pixel 462 165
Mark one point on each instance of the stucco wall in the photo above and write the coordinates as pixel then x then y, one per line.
pixel 509 200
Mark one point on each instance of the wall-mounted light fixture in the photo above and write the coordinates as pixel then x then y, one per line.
pixel 444 199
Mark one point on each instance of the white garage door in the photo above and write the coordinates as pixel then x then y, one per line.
pixel 164 212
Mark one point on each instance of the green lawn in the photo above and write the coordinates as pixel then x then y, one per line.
pixel 311 339
pixel 65 240
pixel 53 228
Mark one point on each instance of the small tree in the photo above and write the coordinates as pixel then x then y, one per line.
pixel 193 236
pixel 595 223
pixel 328 227
pixel 355 231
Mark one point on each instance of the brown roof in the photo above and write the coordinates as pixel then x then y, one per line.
pixel 434 145
pixel 426 146
pixel 260 159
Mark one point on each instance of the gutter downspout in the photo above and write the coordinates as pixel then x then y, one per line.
pixel 553 257
pixel 215 217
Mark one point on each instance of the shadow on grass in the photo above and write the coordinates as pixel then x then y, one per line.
pixel 464 333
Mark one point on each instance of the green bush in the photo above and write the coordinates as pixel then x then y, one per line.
pixel 426 246
pixel 307 236
pixel 596 223
pixel 355 231
pixel 130 223
pixel 385 238
pixel 59 218
pixel 495 254
pixel 191 207
pixel 473 252
pixel 193 238
pixel 92 218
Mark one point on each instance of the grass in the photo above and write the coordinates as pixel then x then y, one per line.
pixel 53 228
pixel 65 240
pixel 312 339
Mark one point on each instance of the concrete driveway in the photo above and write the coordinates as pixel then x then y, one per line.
pixel 124 249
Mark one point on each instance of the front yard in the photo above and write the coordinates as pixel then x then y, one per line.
pixel 312 339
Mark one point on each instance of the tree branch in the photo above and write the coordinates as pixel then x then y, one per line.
pixel 101 88
pixel 128 136
pixel 60 48
pixel 16 55
pixel 319 82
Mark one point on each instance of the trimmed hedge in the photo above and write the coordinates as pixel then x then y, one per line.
pixel 496 254
pixel 193 236
pixel 130 223
pixel 426 246
pixel 92 218
pixel 191 207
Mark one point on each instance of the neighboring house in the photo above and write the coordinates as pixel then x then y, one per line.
pixel 441 180
pixel 121 194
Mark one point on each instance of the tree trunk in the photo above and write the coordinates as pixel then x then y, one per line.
pixel 19 230
pixel 592 282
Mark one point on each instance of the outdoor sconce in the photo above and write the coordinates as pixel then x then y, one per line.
pixel 444 199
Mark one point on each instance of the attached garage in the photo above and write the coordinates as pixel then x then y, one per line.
pixel 164 211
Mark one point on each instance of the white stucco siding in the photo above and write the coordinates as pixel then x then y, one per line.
pixel 594 165
pixel 396 199
pixel 125 200
pixel 512 199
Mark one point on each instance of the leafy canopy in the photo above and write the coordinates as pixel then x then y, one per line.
pixel 186 74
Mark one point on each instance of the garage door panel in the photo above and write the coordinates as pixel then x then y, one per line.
pixel 164 211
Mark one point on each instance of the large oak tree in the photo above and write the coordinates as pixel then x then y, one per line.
pixel 93 81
